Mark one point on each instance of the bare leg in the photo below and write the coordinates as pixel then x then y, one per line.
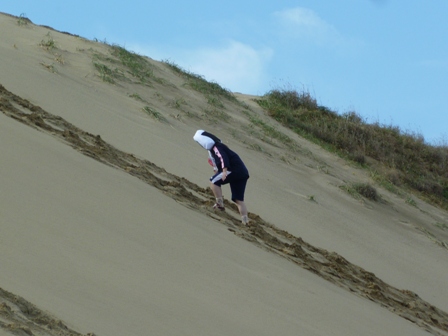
pixel 241 207
pixel 217 191
pixel 243 212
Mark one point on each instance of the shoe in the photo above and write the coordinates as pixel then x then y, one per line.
pixel 245 221
pixel 217 206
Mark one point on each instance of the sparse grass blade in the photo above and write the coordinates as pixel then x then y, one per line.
pixel 23 20
pixel 155 114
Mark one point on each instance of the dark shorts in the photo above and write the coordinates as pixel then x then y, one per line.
pixel 237 184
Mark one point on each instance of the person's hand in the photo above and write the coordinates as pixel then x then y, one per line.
pixel 224 175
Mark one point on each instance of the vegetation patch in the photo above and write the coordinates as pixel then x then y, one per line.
pixel 361 190
pixel 107 74
pixel 127 66
pixel 49 67
pixel 177 103
pixel 312 198
pixel 258 148
pixel 23 20
pixel 200 84
pixel 442 226
pixel 411 201
pixel 214 101
pixel 400 158
pixel 48 44
pixel 216 114
pixel 137 66
pixel 155 114
pixel 136 96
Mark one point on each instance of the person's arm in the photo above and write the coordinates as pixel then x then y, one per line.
pixel 224 174
pixel 211 161
pixel 223 160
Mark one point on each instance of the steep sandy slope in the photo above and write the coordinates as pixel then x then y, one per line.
pixel 74 227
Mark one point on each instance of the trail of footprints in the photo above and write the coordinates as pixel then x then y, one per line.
pixel 328 265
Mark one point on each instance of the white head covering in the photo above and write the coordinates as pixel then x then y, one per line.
pixel 204 140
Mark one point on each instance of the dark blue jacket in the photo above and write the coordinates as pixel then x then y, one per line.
pixel 226 158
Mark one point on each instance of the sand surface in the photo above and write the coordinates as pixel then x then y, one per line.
pixel 106 224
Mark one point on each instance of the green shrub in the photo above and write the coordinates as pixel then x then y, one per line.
pixel 417 165
pixel 365 190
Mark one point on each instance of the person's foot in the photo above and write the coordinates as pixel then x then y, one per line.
pixel 245 220
pixel 218 207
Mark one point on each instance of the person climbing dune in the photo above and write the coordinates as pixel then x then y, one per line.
pixel 228 169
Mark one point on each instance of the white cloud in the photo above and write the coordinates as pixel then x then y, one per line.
pixel 235 66
pixel 304 23
pixel 302 17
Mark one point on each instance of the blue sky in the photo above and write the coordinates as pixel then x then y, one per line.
pixel 387 60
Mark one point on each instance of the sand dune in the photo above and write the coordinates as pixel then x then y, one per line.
pixel 107 226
